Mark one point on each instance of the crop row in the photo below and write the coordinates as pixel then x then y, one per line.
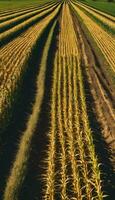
pixel 22 12
pixel 14 57
pixel 7 11
pixel 19 167
pixel 70 137
pixel 17 20
pixel 110 17
pixel 105 42
pixel 103 20
pixel 17 14
pixel 97 91
pixel 11 33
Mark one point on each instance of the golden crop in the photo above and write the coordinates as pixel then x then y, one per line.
pixel 19 166
pixel 70 125
pixel 104 41
pixel 71 169
pixel 102 18
pixel 12 64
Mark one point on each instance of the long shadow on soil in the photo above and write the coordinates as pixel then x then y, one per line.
pixel 16 33
pixel 22 108
pixel 32 187
pixel 100 144
pixel 101 147
pixel 98 65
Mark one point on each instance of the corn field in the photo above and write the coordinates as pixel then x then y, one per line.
pixel 57 102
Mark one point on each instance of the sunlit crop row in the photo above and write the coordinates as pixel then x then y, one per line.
pixel 103 19
pixel 78 171
pixel 71 169
pixel 16 9
pixel 22 26
pixel 98 90
pixel 13 63
pixel 17 13
pixel 15 21
pixel 110 17
pixel 20 164
pixel 4 13
pixel 105 42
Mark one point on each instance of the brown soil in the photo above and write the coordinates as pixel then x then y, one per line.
pixel 101 87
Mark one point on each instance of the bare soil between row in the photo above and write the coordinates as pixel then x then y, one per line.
pixel 102 124
pixel 100 118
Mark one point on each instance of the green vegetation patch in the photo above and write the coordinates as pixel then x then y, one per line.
pixel 105 6
pixel 13 4
pixel 99 22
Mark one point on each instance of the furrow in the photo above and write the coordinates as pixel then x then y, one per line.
pixel 17 20
pixel 19 167
pixel 16 67
pixel 104 41
pixel 98 16
pixel 9 34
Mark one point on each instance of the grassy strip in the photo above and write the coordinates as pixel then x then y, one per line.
pixel 106 7
pixel 13 32
pixel 105 26
pixel 7 15
pixel 18 12
pixel 19 168
pixel 12 5
pixel 103 14
pixel 13 22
